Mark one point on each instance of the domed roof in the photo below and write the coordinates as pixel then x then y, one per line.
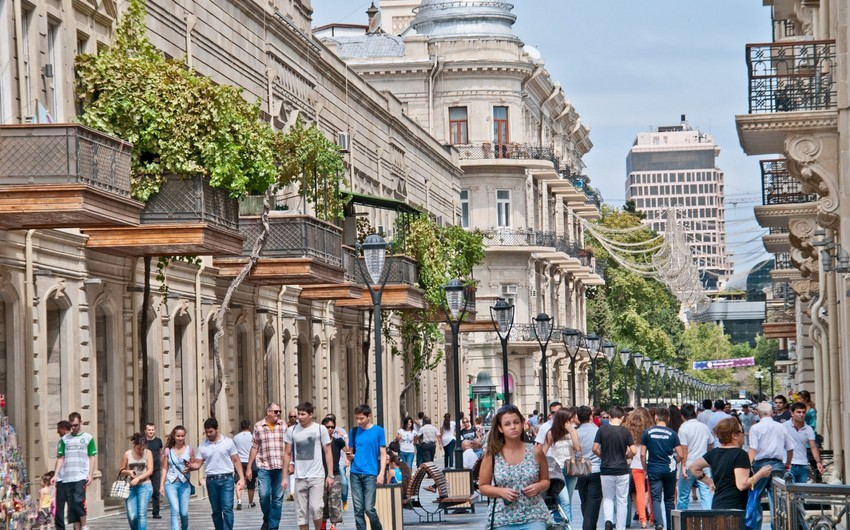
pixel 465 19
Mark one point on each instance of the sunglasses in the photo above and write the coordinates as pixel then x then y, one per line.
pixel 275 411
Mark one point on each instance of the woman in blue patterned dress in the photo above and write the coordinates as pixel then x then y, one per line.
pixel 520 477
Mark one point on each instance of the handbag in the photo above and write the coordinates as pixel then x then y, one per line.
pixel 577 467
pixel 120 488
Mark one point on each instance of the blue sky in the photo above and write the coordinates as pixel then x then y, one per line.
pixel 629 65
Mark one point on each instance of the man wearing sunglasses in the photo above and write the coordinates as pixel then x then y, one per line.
pixel 267 453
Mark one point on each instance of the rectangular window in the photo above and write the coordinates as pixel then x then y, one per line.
pixel 503 208
pixel 464 208
pixel 458 125
pixel 501 131
pixel 26 59
pixel 54 83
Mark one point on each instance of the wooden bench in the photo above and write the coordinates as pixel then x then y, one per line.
pixel 428 501
pixel 708 520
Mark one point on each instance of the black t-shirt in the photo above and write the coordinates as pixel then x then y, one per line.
pixel 782 418
pixel 723 462
pixel 613 442
pixel 337 445
pixel 467 434
pixel 155 447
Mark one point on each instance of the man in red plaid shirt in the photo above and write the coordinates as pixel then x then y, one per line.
pixel 267 450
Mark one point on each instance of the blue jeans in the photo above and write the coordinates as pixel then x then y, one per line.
pixel 407 458
pixel 271 495
pixel 137 506
pixel 178 498
pixel 343 472
pixel 363 494
pixel 220 491
pixel 565 498
pixel 662 484
pixel 449 455
pixel 685 485
pixel 799 473
pixel 766 484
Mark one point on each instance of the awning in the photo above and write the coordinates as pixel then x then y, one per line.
pixel 381 202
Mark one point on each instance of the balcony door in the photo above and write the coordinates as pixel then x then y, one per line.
pixel 501 131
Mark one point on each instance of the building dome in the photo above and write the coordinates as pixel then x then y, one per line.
pixel 465 19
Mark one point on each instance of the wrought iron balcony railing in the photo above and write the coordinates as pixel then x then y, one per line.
pixel 528 332
pixel 783 261
pixel 296 236
pixel 509 237
pixel 487 151
pixel 64 154
pixel 792 76
pixel 778 230
pixel 191 200
pixel 779 187
pixel 404 268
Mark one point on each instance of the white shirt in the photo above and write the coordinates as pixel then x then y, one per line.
pixel 770 440
pixel 405 442
pixel 800 439
pixel 542 431
pixel 469 458
pixel 217 455
pixel 308 445
pixel 695 436
pixel 447 436
pixel 705 415
pixel 243 442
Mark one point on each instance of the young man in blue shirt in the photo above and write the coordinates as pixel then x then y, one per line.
pixel 367 453
pixel 660 451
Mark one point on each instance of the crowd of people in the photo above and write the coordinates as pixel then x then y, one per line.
pixel 662 456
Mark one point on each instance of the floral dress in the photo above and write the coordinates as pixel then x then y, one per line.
pixel 524 509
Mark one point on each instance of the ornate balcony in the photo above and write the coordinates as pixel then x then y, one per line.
pixel 792 89
pixel 779 187
pixel 517 237
pixel 64 176
pixel 300 250
pixel 792 76
pixel 186 217
pixel 511 151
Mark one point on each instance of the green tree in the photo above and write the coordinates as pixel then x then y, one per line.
pixel 705 342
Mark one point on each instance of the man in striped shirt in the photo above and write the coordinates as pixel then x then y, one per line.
pixel 75 464
pixel 267 450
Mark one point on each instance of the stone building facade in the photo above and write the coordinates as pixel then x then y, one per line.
pixel 462 72
pixel 797 120
pixel 71 336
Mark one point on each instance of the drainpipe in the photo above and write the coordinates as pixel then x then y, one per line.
pixel 822 359
pixel 29 368
pixel 199 334
pixel 835 366
pixel 280 352
pixel 22 74
pixel 432 79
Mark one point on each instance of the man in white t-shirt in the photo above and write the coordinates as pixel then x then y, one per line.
pixel 469 456
pixel 801 436
pixel 243 442
pixel 544 428
pixel 696 440
pixel 309 444
pixel 220 460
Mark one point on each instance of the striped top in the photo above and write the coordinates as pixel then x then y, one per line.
pixel 76 450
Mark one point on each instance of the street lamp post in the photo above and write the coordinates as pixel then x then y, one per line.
pixel 592 342
pixel 759 376
pixel 572 343
pixel 772 393
pixel 609 349
pixel 455 308
pixel 638 361
pixel 625 353
pixel 656 369
pixel 372 269
pixel 543 328
pixel 647 367
pixel 503 319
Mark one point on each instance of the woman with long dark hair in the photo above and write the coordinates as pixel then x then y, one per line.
pixel 406 438
pixel 636 422
pixel 563 439
pixel 515 475
pixel 447 440
pixel 137 465
pixel 175 476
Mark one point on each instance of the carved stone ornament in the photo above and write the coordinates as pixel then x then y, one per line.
pixel 808 160
pixel 803 262
pixel 805 289
pixel 801 232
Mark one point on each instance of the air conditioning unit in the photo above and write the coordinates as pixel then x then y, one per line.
pixel 509 290
pixel 343 141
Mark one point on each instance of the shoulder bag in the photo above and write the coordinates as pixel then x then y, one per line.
pixel 577 466
pixel 120 488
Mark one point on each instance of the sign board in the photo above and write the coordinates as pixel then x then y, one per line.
pixel 724 363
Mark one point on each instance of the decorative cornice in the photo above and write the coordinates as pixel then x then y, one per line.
pixel 810 161
pixel 762 134
pixel 778 215
pixel 775 243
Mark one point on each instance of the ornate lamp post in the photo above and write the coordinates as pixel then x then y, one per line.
pixel 656 369
pixel 543 329
pixel 759 376
pixel 625 354
pixel 374 249
pixel 638 360
pixel 647 367
pixel 455 308
pixel 572 343
pixel 609 350
pixel 592 342
pixel 772 393
pixel 503 319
